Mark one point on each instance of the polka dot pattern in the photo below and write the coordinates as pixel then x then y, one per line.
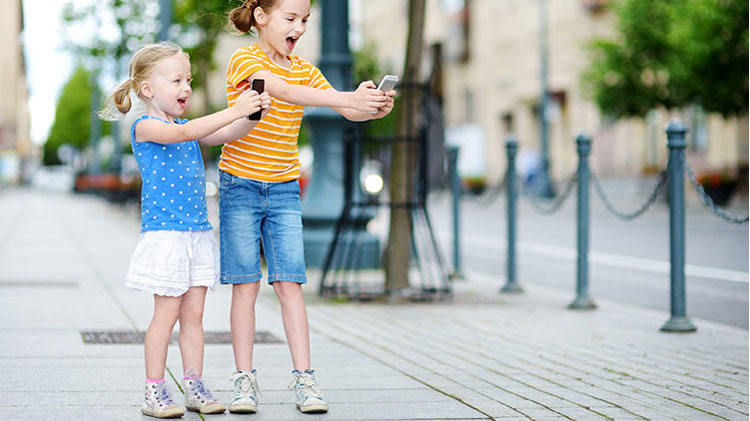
pixel 170 198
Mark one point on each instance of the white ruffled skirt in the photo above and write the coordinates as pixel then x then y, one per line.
pixel 170 262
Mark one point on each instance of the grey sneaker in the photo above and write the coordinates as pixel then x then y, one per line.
pixel 246 391
pixel 309 397
pixel 198 397
pixel 158 402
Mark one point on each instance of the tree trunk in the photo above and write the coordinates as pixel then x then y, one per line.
pixel 398 253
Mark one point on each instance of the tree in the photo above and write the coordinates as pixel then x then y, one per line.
pixel 204 21
pixel 671 54
pixel 398 253
pixel 72 116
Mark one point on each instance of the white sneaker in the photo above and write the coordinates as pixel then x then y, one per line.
pixel 158 402
pixel 246 391
pixel 309 397
pixel 198 397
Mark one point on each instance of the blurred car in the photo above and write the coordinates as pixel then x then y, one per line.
pixel 59 178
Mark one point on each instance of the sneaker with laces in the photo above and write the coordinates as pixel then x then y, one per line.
pixel 158 402
pixel 309 397
pixel 246 391
pixel 198 397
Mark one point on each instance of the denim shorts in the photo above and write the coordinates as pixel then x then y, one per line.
pixel 253 212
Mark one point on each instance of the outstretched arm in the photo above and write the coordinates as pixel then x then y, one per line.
pixel 365 99
pixel 156 131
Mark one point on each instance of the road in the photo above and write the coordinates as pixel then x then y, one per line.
pixel 629 260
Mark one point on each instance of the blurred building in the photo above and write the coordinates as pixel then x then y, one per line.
pixel 489 53
pixel 491 85
pixel 15 142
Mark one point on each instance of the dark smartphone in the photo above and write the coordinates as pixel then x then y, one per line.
pixel 257 85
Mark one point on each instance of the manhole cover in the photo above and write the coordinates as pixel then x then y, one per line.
pixel 132 337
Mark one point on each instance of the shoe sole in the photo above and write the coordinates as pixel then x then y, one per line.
pixel 243 409
pixel 175 413
pixel 213 409
pixel 313 409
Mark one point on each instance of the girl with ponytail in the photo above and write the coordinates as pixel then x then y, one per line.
pixel 259 193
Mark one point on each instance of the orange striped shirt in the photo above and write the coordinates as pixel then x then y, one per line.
pixel 269 152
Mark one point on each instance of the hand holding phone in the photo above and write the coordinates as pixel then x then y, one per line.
pixel 258 85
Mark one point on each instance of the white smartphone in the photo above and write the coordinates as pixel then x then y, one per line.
pixel 388 83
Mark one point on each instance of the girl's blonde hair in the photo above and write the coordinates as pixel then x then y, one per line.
pixel 141 65
pixel 242 18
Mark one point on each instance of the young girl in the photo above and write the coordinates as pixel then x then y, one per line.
pixel 176 258
pixel 259 192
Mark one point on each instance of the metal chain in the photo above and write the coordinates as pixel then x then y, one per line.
pixel 531 195
pixel 486 198
pixel 638 212
pixel 721 213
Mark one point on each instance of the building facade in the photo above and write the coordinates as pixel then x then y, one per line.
pixel 491 85
pixel 15 142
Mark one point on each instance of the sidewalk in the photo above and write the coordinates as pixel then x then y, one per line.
pixel 481 356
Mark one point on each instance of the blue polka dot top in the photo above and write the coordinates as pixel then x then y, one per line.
pixel 173 193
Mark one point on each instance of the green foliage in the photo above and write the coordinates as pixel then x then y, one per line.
pixel 202 21
pixel 72 117
pixel 673 53
pixel 136 21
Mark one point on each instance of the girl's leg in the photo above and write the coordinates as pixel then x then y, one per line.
pixel 294 317
pixel 191 331
pixel 166 313
pixel 242 323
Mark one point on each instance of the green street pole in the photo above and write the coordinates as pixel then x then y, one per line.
pixel 511 285
pixel 95 125
pixel 544 186
pixel 678 321
pixel 456 208
pixel 582 300
pixel 324 196
pixel 165 19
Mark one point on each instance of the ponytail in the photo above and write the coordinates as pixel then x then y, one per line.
pixel 118 104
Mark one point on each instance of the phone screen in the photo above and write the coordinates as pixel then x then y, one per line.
pixel 258 85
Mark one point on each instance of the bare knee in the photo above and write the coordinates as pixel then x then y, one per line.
pixel 248 291
pixel 191 316
pixel 287 290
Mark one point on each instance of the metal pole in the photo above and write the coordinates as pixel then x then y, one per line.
pixel 678 322
pixel 544 186
pixel 456 207
pixel 582 300
pixel 165 19
pixel 511 286
pixel 95 126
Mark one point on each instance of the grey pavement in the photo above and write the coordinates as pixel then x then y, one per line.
pixel 481 355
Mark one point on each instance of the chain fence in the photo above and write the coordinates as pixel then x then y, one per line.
pixel 486 198
pixel 718 211
pixel 636 213
pixel 549 209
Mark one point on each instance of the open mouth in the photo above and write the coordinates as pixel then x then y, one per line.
pixel 291 42
pixel 182 102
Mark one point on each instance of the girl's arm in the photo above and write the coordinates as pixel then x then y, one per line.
pixel 354 115
pixel 239 128
pixel 365 99
pixel 156 131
